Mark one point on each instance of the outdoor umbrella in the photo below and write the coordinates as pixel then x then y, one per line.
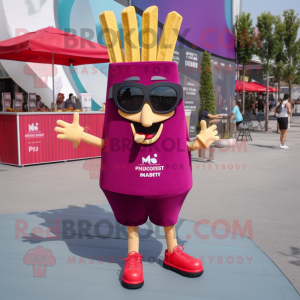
pixel 262 88
pixel 239 87
pixel 53 45
pixel 272 90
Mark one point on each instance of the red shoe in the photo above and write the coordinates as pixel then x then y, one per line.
pixel 182 263
pixel 133 277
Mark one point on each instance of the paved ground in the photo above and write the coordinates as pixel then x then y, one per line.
pixel 262 187
pixel 89 266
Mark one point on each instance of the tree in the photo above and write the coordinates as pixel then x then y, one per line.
pixel 206 93
pixel 270 45
pixel 297 77
pixel 291 24
pixel 277 69
pixel 244 46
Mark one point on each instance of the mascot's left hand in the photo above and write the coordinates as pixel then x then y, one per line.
pixel 207 135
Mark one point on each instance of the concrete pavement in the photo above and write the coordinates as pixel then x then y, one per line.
pixel 259 183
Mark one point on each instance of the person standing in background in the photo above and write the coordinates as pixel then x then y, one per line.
pixel 59 104
pixel 62 96
pixel 261 108
pixel 39 104
pixel 204 115
pixel 24 105
pixel 272 102
pixel 76 102
pixel 252 108
pixel 68 102
pixel 237 110
pixel 282 119
pixel 276 114
pixel 290 114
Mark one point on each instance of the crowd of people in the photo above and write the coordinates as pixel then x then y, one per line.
pixel 282 111
pixel 60 102
pixel 259 105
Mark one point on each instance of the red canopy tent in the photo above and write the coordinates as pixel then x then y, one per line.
pixel 51 44
pixel 239 87
pixel 262 88
pixel 272 90
pixel 253 87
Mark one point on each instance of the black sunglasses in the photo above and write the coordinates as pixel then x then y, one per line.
pixel 130 97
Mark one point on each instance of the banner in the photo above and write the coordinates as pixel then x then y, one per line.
pixel 86 100
pixel 189 68
pixel 39 142
pixel 31 101
pixel 6 101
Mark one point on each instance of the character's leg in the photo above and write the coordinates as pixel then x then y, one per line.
pixel 164 211
pixel 284 132
pixel 171 240
pixel 133 238
pixel 178 261
pixel 278 130
pixel 133 277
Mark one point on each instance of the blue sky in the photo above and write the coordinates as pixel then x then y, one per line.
pixel 275 7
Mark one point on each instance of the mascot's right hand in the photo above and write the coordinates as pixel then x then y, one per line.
pixel 70 132
pixel 207 135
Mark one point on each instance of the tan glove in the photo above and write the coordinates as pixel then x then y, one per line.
pixel 70 132
pixel 207 135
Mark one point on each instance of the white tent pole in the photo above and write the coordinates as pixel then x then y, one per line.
pixel 53 80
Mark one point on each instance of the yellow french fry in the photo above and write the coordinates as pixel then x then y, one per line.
pixel 149 34
pixel 111 36
pixel 131 34
pixel 169 37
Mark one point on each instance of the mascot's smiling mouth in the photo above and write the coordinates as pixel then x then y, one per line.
pixel 146 135
pixel 146 125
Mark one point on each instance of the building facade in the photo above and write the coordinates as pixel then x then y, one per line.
pixel 207 25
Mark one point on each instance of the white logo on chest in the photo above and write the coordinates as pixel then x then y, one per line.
pixel 149 160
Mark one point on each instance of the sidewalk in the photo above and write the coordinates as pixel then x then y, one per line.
pixel 265 192
pixel 264 189
pixel 89 266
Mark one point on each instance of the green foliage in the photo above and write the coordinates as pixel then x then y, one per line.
pixel 270 45
pixel 291 52
pixel 276 71
pixel 246 41
pixel 206 93
pixel 277 66
pixel 245 38
pixel 297 76
pixel 248 101
pixel 227 136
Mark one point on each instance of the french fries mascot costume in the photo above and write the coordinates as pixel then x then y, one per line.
pixel 145 123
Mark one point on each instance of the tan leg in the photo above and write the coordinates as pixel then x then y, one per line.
pixel 284 132
pixel 133 238
pixel 171 240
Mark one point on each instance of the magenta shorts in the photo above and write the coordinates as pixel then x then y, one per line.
pixel 162 210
